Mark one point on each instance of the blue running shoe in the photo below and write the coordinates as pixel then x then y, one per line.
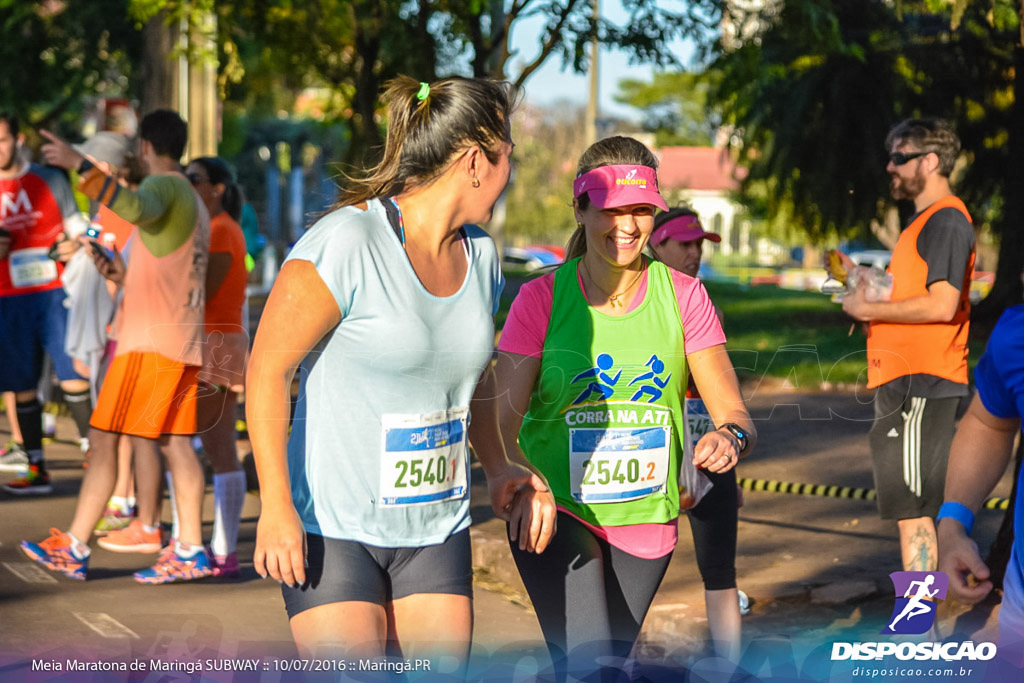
pixel 55 554
pixel 171 567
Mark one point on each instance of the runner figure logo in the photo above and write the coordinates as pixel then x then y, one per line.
pixel 915 611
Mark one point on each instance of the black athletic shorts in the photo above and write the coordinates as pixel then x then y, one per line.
pixel 344 571
pixel 910 441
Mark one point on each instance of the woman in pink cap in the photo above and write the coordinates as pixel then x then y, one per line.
pixel 594 360
pixel 677 241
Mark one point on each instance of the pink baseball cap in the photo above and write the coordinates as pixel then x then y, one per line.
pixel 621 185
pixel 684 229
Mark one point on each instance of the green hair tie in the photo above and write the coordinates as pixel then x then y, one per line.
pixel 424 91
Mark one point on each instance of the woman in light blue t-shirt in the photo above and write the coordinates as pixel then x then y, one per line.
pixel 387 306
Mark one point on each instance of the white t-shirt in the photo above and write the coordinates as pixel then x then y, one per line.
pixel 377 452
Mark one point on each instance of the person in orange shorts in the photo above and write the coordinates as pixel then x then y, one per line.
pixel 151 387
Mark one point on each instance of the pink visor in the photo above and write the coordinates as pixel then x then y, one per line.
pixel 684 229
pixel 611 186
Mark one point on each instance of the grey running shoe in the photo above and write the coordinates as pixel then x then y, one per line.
pixel 13 458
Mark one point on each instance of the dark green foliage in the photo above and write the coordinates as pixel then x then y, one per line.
pixel 56 53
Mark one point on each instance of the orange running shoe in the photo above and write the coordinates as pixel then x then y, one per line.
pixel 55 553
pixel 132 539
pixel 171 567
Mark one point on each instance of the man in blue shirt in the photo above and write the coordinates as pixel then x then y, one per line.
pixel 978 457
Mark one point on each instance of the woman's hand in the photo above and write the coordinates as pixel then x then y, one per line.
pixel 532 519
pixel 281 546
pixel 717 451
pixel 505 484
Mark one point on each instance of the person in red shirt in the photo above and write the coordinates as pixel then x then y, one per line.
pixel 37 210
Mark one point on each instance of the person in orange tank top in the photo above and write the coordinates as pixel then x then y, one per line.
pixel 917 340
pixel 224 349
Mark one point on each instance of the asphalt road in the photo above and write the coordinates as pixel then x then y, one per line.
pixel 816 568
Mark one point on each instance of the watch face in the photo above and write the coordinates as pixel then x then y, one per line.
pixel 739 433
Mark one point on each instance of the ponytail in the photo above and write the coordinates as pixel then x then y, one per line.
pixel 429 124
pixel 231 200
pixel 577 245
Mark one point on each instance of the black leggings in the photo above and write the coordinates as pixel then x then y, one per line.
pixel 713 524
pixel 590 597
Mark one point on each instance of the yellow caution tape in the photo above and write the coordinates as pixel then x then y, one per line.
pixel 825 491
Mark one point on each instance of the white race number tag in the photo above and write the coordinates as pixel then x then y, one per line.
pixel 698 423
pixel 618 464
pixel 32 267
pixel 424 458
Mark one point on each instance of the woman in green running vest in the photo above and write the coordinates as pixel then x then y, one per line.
pixel 594 360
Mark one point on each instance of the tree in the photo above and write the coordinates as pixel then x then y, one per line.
pixel 59 53
pixel 816 92
pixel 675 106
pixel 544 165
pixel 1008 287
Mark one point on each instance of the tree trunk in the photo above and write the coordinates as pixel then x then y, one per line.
pixel 426 50
pixel 158 70
pixel 1008 289
pixel 366 139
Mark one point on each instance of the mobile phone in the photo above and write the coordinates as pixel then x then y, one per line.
pixel 92 232
pixel 100 251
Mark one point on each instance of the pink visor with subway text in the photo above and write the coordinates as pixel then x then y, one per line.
pixel 621 185
pixel 682 229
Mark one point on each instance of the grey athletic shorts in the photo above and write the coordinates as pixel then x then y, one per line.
pixel 910 441
pixel 344 571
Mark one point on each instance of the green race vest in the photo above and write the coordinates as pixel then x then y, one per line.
pixel 605 423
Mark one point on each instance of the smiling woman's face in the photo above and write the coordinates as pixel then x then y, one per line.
pixel 618 235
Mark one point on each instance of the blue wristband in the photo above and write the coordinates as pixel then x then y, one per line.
pixel 959 512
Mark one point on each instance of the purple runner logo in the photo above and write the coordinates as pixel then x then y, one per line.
pixel 914 612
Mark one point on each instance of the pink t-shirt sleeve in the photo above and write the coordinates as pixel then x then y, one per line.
pixel 701 327
pixel 528 318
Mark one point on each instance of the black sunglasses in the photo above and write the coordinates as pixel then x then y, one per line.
pixel 197 179
pixel 900 158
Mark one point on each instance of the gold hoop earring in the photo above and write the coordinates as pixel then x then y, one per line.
pixel 476 182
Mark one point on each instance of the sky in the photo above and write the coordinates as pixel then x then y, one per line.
pixel 551 84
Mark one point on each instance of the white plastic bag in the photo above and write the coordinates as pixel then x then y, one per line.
pixel 693 484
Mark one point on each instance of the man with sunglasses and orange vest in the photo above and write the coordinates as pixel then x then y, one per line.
pixel 917 340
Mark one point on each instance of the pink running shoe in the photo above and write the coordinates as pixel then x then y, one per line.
pixel 226 566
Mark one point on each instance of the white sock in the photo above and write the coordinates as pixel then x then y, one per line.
pixel 174 505
pixel 120 503
pixel 78 549
pixel 186 549
pixel 228 498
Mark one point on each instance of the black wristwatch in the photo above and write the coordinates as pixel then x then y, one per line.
pixel 739 432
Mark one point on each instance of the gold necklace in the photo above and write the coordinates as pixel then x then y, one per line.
pixel 613 299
